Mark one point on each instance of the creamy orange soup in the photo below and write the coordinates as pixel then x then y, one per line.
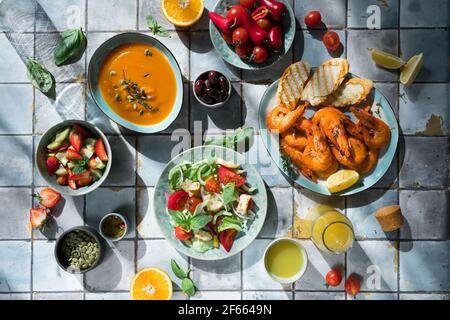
pixel 137 82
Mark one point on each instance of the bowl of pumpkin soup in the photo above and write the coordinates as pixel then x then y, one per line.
pixel 136 81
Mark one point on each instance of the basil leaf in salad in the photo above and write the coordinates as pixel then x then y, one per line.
pixel 179 219
pixel 180 273
pixel 39 76
pixel 199 221
pixel 188 287
pixel 228 193
pixel 70 47
pixel 229 223
pixel 240 137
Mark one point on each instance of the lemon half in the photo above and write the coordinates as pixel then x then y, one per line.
pixel 341 180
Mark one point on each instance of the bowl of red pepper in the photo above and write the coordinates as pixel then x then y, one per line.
pixel 252 34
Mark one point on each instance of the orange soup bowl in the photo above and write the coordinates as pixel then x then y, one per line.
pixel 136 81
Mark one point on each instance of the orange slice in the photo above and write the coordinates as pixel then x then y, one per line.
pixel 182 13
pixel 151 284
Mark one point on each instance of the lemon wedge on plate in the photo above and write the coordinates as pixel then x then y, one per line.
pixel 341 180
pixel 411 69
pixel 182 13
pixel 385 60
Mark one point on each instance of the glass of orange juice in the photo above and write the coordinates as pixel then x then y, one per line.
pixel 331 231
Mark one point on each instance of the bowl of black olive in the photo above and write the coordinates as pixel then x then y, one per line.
pixel 212 89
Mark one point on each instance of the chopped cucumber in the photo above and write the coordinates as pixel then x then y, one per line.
pixel 60 137
pixel 50 154
pixel 86 152
pixel 99 164
pixel 70 164
pixel 61 156
pixel 96 174
pixel 61 171
pixel 90 143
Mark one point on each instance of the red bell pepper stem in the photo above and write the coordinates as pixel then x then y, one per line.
pixel 257 34
pixel 260 13
pixel 224 24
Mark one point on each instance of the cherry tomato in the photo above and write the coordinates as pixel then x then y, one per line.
pixel 182 234
pixel 227 37
pixel 313 19
pixel 333 277
pixel 213 185
pixel 259 54
pixel 264 23
pixel 237 12
pixel 352 285
pixel 193 202
pixel 240 36
pixel 244 50
pixel 331 40
pixel 249 4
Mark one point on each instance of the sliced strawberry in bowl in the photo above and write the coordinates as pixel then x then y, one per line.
pixel 72 184
pixel 82 131
pixel 72 154
pixel 62 147
pixel 100 150
pixel 81 176
pixel 76 141
pixel 48 197
pixel 52 165
pixel 38 217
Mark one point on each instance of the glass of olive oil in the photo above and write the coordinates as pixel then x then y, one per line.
pixel 285 260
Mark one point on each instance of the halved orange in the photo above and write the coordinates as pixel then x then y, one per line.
pixel 182 13
pixel 151 284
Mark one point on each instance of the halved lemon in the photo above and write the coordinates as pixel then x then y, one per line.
pixel 386 60
pixel 151 284
pixel 411 69
pixel 341 180
pixel 182 13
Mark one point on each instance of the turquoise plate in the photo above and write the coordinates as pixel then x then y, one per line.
pixel 94 66
pixel 243 238
pixel 229 55
pixel 270 140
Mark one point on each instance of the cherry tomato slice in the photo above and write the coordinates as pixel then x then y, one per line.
pixel 213 185
pixel 331 40
pixel 181 234
pixel 193 202
pixel 313 19
pixel 226 176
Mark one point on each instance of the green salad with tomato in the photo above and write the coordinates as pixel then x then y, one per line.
pixel 210 203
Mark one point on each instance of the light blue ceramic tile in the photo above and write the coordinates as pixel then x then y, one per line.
pixel 279 213
pixel 217 275
pixel 424 109
pixel 361 209
pixel 45 45
pixel 18 172
pixel 106 200
pixel 152 8
pixel 69 104
pixel 423 162
pixel 332 12
pixel 60 15
pixel 16 203
pixel 38 180
pixel 254 275
pixel 359 11
pixel 434 45
pixel 203 23
pixel 431 256
pixel 251 95
pixel 116 270
pixel 108 296
pixel 309 47
pixel 16 112
pixel 204 57
pixel 217 295
pixel 15 296
pixel 13 55
pixel 426 214
pixel 376 262
pixel 95 39
pixel 424 296
pixel 267 295
pixel 153 154
pixel 373 296
pixel 146 223
pixel 67 213
pixel 14 9
pixel 58 296
pixel 319 296
pixel 123 149
pixel 390 178
pixel 118 15
pixel 429 14
pixel 96 116
pixel 271 73
pixel 15 266
pixel 158 253
pixel 182 120
pixel 47 275
pixel 390 91
pixel 319 263
pixel 358 43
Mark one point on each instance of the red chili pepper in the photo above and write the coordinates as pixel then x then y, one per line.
pixel 276 8
pixel 260 13
pixel 257 34
pixel 275 37
pixel 224 24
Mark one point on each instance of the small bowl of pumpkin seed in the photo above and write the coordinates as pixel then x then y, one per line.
pixel 79 250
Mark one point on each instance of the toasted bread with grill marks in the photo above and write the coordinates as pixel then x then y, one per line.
pixel 325 80
pixel 292 83
pixel 352 91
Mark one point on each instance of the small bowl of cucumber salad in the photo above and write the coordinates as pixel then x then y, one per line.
pixel 73 157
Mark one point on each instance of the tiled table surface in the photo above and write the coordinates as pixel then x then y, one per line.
pixel 414 263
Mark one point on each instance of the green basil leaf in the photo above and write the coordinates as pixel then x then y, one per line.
pixel 156 28
pixel 228 193
pixel 229 223
pixel 188 287
pixel 199 221
pixel 70 46
pixel 39 76
pixel 78 170
pixel 180 273
pixel 179 218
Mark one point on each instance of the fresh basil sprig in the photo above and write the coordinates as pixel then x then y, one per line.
pixel 39 76
pixel 70 46
pixel 189 222
pixel 228 193
pixel 156 28
pixel 187 285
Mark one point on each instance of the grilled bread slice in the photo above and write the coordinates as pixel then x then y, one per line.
pixel 292 83
pixel 352 91
pixel 326 79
